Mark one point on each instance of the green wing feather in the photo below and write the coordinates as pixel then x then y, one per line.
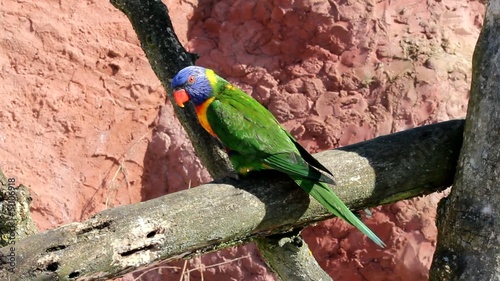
pixel 257 141
pixel 245 127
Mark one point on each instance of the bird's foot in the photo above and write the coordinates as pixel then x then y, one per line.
pixel 233 175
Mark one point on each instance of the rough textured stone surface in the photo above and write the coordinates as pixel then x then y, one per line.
pixel 79 118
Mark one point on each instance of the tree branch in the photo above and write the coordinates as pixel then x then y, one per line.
pixel 228 212
pixel 289 255
pixel 468 221
pixel 167 56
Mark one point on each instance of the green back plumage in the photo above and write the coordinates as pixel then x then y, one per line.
pixel 256 140
pixel 244 125
pixel 254 136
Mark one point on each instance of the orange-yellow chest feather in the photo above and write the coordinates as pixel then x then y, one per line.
pixel 201 112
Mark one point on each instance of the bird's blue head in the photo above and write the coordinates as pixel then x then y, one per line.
pixel 193 83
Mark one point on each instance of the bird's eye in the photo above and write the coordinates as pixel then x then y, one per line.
pixel 191 79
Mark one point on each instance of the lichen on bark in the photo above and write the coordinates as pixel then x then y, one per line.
pixel 15 218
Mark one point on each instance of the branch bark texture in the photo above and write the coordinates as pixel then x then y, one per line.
pixel 284 252
pixel 15 218
pixel 228 212
pixel 468 221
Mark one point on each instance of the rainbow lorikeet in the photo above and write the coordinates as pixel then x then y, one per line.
pixel 254 139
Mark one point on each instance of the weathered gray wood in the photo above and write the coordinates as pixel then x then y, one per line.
pixel 229 212
pixel 285 252
pixel 468 221
pixel 15 218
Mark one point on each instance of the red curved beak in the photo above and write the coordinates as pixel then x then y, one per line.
pixel 181 97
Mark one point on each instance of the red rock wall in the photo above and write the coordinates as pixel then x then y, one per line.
pixel 79 101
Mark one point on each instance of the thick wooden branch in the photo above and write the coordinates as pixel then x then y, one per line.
pixel 289 255
pixel 229 212
pixel 167 56
pixel 468 221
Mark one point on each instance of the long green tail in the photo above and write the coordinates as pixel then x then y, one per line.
pixel 330 201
